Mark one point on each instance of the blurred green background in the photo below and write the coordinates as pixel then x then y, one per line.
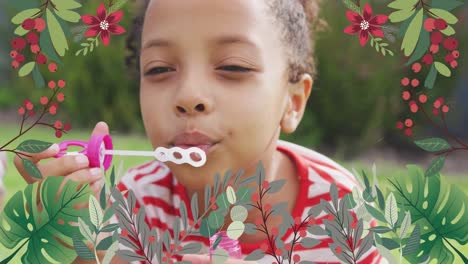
pixel 350 117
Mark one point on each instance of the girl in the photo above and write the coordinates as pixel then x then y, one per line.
pixel 227 77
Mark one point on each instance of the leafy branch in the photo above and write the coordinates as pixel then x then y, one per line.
pixel 90 44
pixel 380 46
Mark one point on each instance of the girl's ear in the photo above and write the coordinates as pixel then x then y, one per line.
pixel 298 94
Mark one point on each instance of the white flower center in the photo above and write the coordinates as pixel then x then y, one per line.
pixel 104 25
pixel 364 25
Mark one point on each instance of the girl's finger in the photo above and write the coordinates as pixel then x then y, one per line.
pixel 101 128
pixel 64 166
pixel 35 158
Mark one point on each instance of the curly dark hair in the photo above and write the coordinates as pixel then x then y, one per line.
pixel 298 22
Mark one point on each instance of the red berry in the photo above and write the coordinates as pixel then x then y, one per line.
pixel 438 102
pixel 416 67
pixel 53 110
pixel 297 220
pixel 434 48
pixel 20 58
pixel 40 24
pixel 60 97
pixel 29 105
pixel 265 184
pixel 435 111
pixel 21 111
pixel 35 48
pixel 267 207
pixel 338 250
pixel 151 239
pixel 52 67
pixel 58 133
pixel 449 58
pixel 135 209
pixel 422 98
pixel 406 95
pixel 440 24
pixel 303 233
pixel 51 84
pixel 18 43
pixel 429 24
pixel 408 122
pixel 258 221
pixel 436 37
pixel 164 259
pixel 354 225
pixel 427 59
pixel 58 125
pixel 311 221
pixel 61 84
pixel 405 81
pixel 450 43
pixel 214 207
pixel 264 247
pixel 28 24
pixel 15 64
pixel 445 108
pixel 287 246
pixel 456 54
pixel 296 258
pixel 415 82
pixel 255 197
pixel 278 252
pixel 414 108
pixel 41 59
pixel 331 218
pixel 399 125
pixel 31 113
pixel 275 231
pixel 408 132
pixel 67 127
pixel 44 100
pixel 13 54
pixel 454 64
pixel 32 37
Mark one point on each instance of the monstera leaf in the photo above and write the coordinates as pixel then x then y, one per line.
pixel 440 211
pixel 45 230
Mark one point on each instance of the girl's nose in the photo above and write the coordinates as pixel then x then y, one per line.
pixel 198 108
pixel 192 103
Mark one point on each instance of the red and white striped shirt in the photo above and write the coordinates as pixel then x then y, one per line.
pixel 161 194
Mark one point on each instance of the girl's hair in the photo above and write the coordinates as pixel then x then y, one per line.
pixel 297 19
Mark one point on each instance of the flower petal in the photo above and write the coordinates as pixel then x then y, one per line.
pixel 92 31
pixel 105 37
pixel 101 12
pixel 363 37
pixel 90 20
pixel 115 17
pixel 116 29
pixel 352 29
pixel 376 32
pixel 378 20
pixel 353 17
pixel 367 12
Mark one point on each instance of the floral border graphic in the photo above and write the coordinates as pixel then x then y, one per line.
pixel 403 222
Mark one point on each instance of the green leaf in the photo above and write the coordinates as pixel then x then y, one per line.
pixel 446 4
pixel 433 144
pixel 112 176
pixel 57 35
pixel 85 230
pixel 412 245
pixel 217 241
pixel 222 201
pixel 95 211
pixel 183 214
pixel 111 251
pixel 391 210
pixel 250 228
pixel 81 249
pixel 316 230
pixel 308 242
pixel 390 244
pixel 194 206
pixel 26 69
pixel 191 248
pixel 32 169
pixel 352 6
pixel 255 255
pixel 239 213
pixel 412 34
pixel 105 243
pixel 118 4
pixel 66 4
pixel 431 78
pixel 375 213
pixel 235 229
pixel 207 195
pixel 401 15
pixel 243 195
pixel 381 229
pixel 220 255
pixel 130 256
pixel 33 146
pixel 276 186
pixel 449 31
pixel 437 207
pixel 350 201
pixel 436 165
pixel 46 231
pixel 405 225
pixel 231 195
pixel 444 14
pixel 334 195
pixel 442 69
pixel 402 4
pixel 23 15
pixel 109 228
pixel 38 78
pixel 68 15
pixel 20 31
pixel 47 47
pixel 216 219
pixel 205 228
pixel 102 197
pixel 366 244
pixel 386 254
pixel 423 45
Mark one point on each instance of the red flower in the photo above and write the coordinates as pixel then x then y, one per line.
pixel 103 24
pixel 365 24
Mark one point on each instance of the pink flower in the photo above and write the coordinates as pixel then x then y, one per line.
pixel 365 24
pixel 103 24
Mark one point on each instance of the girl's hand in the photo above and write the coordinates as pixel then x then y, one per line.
pixel 71 167
pixel 204 259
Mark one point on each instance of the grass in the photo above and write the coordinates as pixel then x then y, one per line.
pixel 14 181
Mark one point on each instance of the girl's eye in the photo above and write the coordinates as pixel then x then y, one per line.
pixel 234 68
pixel 158 70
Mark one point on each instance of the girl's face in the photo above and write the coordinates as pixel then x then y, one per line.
pixel 213 75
